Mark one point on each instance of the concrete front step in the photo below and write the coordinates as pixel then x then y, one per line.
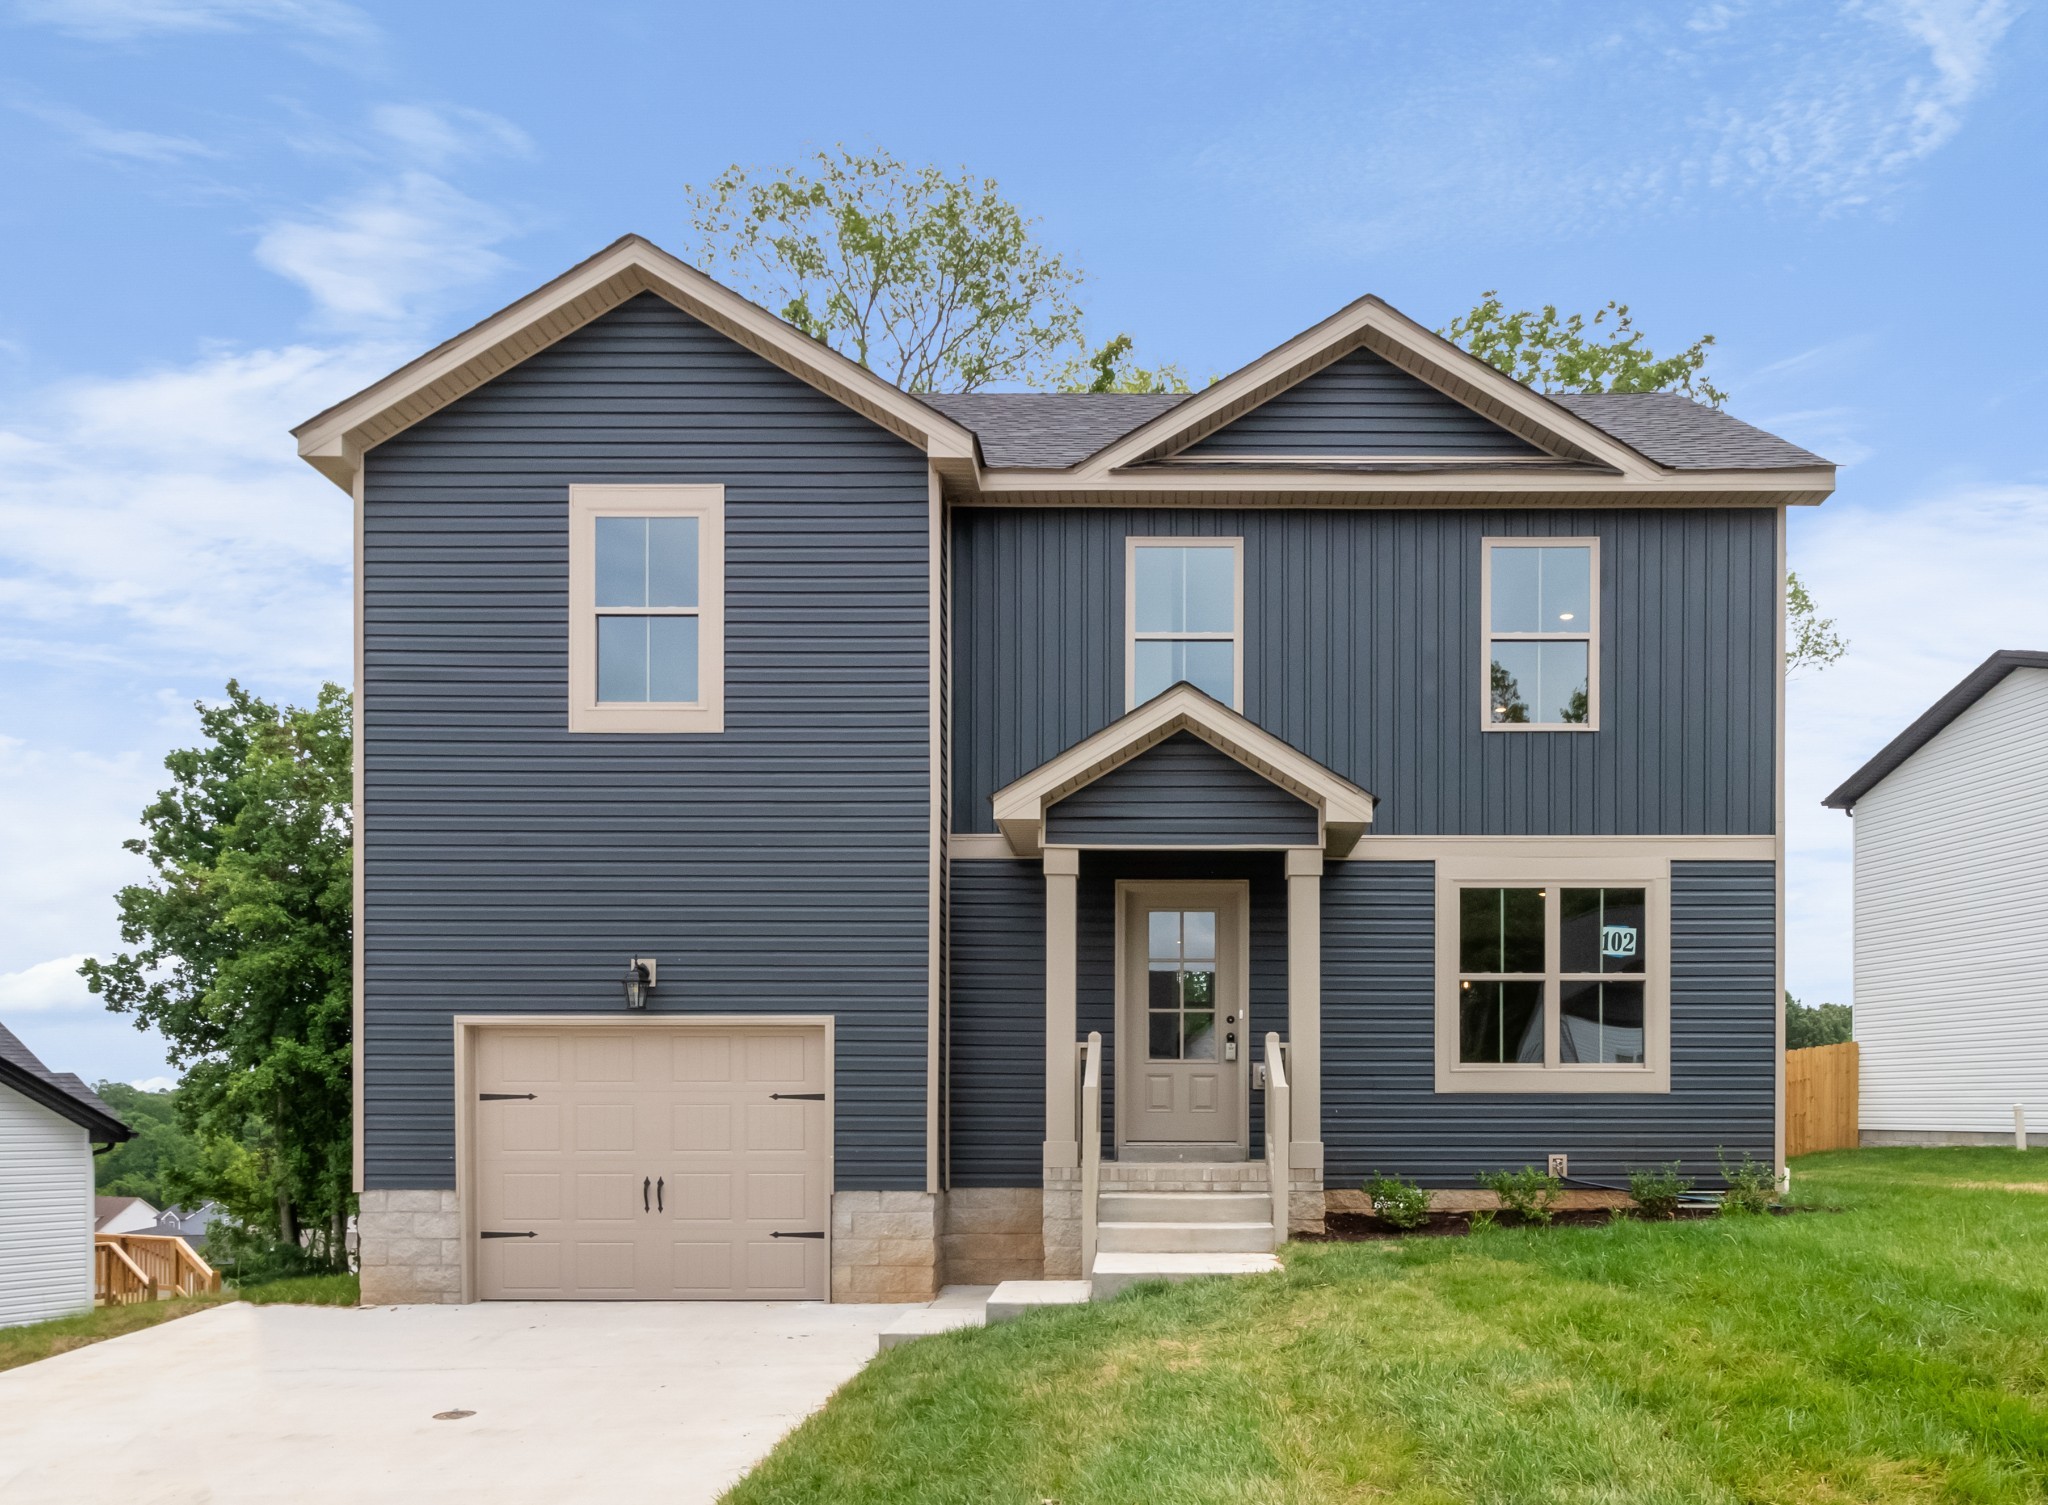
pixel 1013 1298
pixel 1183 1207
pixel 1185 1238
pixel 1117 1272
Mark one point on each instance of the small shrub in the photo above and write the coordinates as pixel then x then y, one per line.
pixel 1658 1190
pixel 1528 1193
pixel 1482 1221
pixel 1752 1186
pixel 1402 1203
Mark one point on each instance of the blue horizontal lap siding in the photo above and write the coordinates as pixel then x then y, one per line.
pixel 511 867
pixel 996 1024
pixel 1363 639
pixel 1362 405
pixel 1182 792
pixel 1380 1107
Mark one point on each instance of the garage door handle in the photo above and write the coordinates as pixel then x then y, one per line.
pixel 658 1184
pixel 801 1097
pixel 504 1097
pixel 779 1234
pixel 644 1185
pixel 489 1234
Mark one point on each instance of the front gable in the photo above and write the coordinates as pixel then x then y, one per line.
pixel 1182 793
pixel 1361 404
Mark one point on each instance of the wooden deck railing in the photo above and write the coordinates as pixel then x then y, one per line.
pixel 132 1267
pixel 1821 1098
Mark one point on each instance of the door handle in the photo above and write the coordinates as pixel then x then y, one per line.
pixel 658 1183
pixel 643 1195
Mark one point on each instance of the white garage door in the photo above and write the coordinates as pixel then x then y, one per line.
pixel 651 1162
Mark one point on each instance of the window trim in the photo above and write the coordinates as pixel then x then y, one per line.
pixel 1488 637
pixel 1565 870
pixel 1235 637
pixel 706 503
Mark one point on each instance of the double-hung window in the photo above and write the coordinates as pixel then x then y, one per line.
pixel 1183 617
pixel 1553 984
pixel 646 608
pixel 1542 668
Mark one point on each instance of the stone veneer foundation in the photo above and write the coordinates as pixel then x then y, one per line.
pixel 993 1234
pixel 410 1245
pixel 885 1246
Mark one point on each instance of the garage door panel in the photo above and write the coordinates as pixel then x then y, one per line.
pixel 690 1107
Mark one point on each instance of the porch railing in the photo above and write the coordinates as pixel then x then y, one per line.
pixel 135 1267
pixel 1091 1146
pixel 1279 1133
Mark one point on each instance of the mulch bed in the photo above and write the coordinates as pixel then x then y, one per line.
pixel 1363 1227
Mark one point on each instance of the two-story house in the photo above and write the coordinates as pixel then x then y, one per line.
pixel 769 781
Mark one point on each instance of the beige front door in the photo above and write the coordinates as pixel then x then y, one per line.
pixel 651 1162
pixel 1182 1032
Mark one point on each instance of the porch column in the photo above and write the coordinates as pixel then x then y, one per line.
pixel 1062 877
pixel 1305 1003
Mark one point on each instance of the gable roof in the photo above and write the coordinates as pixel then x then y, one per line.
pixel 1973 688
pixel 59 1091
pixel 1681 434
pixel 1020 806
pixel 1048 430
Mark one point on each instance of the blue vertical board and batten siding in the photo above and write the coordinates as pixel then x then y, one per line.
pixel 1182 793
pixel 511 867
pixel 1361 404
pixel 1362 641
pixel 1381 1111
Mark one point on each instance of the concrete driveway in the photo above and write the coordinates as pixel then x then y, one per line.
pixel 583 1401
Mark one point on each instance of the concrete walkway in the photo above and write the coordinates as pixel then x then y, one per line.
pixel 572 1402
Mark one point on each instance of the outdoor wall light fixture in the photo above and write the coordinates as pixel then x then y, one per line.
pixel 638 981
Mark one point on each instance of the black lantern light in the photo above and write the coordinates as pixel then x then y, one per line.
pixel 638 981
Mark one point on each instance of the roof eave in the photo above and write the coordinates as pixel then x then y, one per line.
pixel 1930 723
pixel 97 1125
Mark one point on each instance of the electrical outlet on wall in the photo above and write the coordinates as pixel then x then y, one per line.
pixel 1559 1165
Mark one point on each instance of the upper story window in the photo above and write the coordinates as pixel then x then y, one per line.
pixel 1183 617
pixel 646 608
pixel 1542 634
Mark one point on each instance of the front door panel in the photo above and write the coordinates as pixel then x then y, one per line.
pixel 1183 1030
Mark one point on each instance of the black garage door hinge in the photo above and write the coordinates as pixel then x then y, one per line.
pixel 779 1234
pixel 802 1097
pixel 492 1234
pixel 504 1097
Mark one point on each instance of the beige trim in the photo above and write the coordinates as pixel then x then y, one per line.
pixel 1521 868
pixel 1305 1005
pixel 1308 486
pixel 705 503
pixel 1778 872
pixel 1458 849
pixel 1235 637
pixel 936 815
pixel 1345 809
pixel 357 946
pixel 1062 978
pixel 334 441
pixel 467 1027
pixel 1184 892
pixel 980 846
pixel 1488 637
pixel 1370 323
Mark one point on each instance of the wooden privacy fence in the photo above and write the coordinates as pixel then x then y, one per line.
pixel 132 1267
pixel 1820 1098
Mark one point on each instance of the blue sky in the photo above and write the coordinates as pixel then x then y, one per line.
pixel 224 214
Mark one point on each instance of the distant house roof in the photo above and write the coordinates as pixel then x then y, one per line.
pixel 108 1210
pixel 1975 685
pixel 59 1091
pixel 1056 430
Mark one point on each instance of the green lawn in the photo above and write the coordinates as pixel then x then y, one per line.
pixel 42 1340
pixel 1896 1349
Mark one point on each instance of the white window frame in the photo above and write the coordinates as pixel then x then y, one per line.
pixel 1571 866
pixel 1488 637
pixel 1132 637
pixel 586 505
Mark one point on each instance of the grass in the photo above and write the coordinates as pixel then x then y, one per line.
pixel 1893 1350
pixel 42 1340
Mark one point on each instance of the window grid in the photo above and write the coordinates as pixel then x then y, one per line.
pixel 1133 635
pixel 1590 636
pixel 1553 978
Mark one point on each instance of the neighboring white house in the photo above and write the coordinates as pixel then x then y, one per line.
pixel 1951 896
pixel 49 1122
pixel 124 1215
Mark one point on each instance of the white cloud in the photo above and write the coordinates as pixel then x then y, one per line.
pixel 125 20
pixel 1924 594
pixel 437 135
pixel 155 1084
pixel 102 139
pixel 381 258
pixel 46 987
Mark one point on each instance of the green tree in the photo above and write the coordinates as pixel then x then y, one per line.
pixel 932 279
pixel 1111 369
pixel 159 1161
pixel 1811 641
pixel 1816 1024
pixel 241 957
pixel 1572 353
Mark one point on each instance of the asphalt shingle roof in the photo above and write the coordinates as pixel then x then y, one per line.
pixel 1056 430
pixel 59 1091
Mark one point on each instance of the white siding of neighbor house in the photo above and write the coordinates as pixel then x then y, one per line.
pixel 1952 924
pixel 45 1213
